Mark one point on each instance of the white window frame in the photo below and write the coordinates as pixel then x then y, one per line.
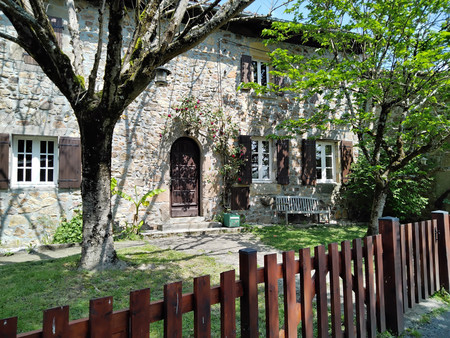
pixel 261 166
pixel 322 145
pixel 257 77
pixel 35 161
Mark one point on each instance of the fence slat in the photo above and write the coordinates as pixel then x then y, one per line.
pixel 417 263
pixel 306 292
pixel 443 225
pixel 290 300
pixel 271 293
pixel 430 255
pixel 347 285
pixel 370 287
pixel 249 301
pixel 423 259
pixel 228 304
pixel 202 306
pixel 140 313
pixel 379 276
pixel 173 310
pixel 359 290
pixel 403 266
pixel 56 322
pixel 393 294
pixel 410 265
pixel 335 295
pixel 435 247
pixel 321 290
pixel 100 314
pixel 8 327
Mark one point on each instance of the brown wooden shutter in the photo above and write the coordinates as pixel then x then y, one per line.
pixel 346 159
pixel 246 68
pixel 246 169
pixel 240 198
pixel 4 161
pixel 309 162
pixel 283 162
pixel 280 81
pixel 69 162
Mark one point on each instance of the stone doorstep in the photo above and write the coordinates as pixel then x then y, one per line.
pixel 189 223
pixel 189 232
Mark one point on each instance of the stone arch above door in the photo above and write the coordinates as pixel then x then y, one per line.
pixel 184 178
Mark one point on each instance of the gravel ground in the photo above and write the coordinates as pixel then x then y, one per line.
pixel 438 327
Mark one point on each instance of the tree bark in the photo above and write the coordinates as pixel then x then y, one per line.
pixel 379 200
pixel 98 246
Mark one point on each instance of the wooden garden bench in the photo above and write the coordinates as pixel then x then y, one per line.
pixel 300 205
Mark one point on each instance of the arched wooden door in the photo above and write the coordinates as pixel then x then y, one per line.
pixel 184 175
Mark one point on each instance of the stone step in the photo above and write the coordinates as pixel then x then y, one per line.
pixel 188 232
pixel 189 223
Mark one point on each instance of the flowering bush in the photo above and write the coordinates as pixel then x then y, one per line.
pixel 215 125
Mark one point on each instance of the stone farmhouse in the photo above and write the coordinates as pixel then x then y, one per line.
pixel 40 167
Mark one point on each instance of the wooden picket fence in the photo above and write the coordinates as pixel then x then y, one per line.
pixel 374 281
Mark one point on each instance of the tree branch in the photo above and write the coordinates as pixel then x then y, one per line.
pixel 143 70
pixel 173 25
pixel 98 53
pixel 198 19
pixel 74 31
pixel 430 146
pixel 39 40
pixel 113 53
pixel 10 38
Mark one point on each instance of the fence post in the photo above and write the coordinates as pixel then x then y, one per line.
pixel 393 294
pixel 249 301
pixel 443 227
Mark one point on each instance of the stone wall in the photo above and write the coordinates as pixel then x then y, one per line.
pixel 31 105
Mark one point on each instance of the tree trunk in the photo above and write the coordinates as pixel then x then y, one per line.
pixel 378 202
pixel 96 142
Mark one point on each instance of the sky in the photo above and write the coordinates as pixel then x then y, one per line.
pixel 263 6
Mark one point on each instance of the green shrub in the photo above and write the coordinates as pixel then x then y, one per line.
pixel 407 198
pixel 70 231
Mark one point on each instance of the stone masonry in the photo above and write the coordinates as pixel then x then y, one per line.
pixel 31 105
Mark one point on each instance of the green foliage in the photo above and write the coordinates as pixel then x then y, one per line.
pixel 407 197
pixel 130 232
pixel 380 68
pixel 443 296
pixel 70 231
pixel 135 226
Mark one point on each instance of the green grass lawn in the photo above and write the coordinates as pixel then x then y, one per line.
pixel 29 288
pixel 287 238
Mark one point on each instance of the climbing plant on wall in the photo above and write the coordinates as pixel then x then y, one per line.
pixel 198 119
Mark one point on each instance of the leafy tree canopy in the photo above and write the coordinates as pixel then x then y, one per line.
pixel 382 68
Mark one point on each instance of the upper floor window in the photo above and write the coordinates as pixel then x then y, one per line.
pixel 260 72
pixel 34 161
pixel 254 71
pixel 325 162
pixel 261 159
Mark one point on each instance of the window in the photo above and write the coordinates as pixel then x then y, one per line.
pixel 34 161
pixel 325 163
pixel 260 72
pixel 261 160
